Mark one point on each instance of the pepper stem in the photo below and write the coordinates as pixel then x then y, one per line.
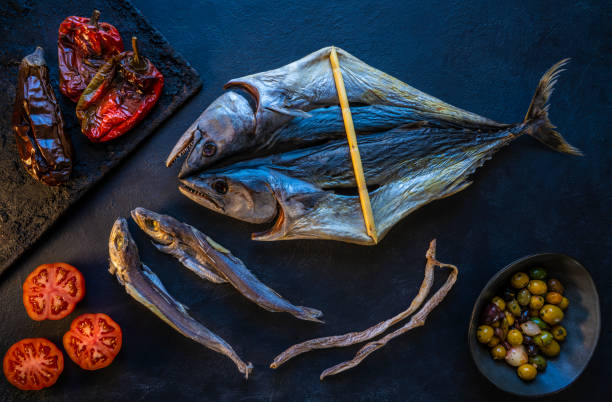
pixel 94 19
pixel 136 60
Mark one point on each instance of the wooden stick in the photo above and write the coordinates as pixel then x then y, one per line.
pixel 364 196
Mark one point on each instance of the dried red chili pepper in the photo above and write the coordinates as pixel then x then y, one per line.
pixel 44 149
pixel 120 95
pixel 83 46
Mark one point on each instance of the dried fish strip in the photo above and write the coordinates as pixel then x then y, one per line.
pixel 417 320
pixel 353 338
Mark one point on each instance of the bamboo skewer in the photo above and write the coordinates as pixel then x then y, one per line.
pixel 364 196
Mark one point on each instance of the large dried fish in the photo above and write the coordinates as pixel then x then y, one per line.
pixel 146 288
pixel 211 261
pixel 231 125
pixel 411 166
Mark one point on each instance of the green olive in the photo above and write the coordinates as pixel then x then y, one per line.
pixel 554 285
pixel 498 352
pixel 514 307
pixel 559 333
pixel 539 361
pixel 564 303
pixel 552 349
pixel 499 302
pixel 514 337
pixel 536 302
pixel 493 342
pixel 537 273
pixel 523 297
pixel 527 372
pixel 519 280
pixel 551 314
pixel 543 339
pixel 537 287
pixel 540 323
pixel 509 317
pixel 554 298
pixel 484 333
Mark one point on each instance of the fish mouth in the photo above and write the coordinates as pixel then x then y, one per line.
pixel 184 145
pixel 200 197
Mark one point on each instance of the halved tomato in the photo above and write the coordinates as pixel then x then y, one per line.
pixel 93 341
pixel 52 291
pixel 33 363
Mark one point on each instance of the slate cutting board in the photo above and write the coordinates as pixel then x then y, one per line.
pixel 29 208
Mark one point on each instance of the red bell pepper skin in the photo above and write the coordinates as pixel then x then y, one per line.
pixel 83 46
pixel 120 95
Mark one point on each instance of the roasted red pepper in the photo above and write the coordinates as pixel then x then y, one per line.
pixel 120 95
pixel 45 150
pixel 83 46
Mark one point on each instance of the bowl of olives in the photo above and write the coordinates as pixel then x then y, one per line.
pixel 535 325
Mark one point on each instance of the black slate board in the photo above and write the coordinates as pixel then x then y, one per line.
pixel 28 208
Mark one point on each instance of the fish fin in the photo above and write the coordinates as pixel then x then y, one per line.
pixel 289 112
pixel 539 126
pixel 166 249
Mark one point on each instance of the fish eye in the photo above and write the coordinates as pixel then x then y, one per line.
pixel 151 224
pixel 210 148
pixel 220 186
pixel 118 241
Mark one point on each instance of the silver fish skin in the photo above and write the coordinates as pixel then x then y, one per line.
pixel 294 90
pixel 199 252
pixel 146 288
pixel 431 164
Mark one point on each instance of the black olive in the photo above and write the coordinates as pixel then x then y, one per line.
pixel 490 314
pixel 210 148
pixel 220 186
pixel 532 350
pixel 509 294
pixel 527 340
pixel 524 317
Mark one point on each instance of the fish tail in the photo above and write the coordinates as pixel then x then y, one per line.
pixel 309 314
pixel 538 124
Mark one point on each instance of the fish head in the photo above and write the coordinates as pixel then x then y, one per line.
pixel 243 194
pixel 163 229
pixel 225 128
pixel 122 250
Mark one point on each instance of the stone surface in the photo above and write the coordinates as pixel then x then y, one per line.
pixel 483 56
pixel 27 207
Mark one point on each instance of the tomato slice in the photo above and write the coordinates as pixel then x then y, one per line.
pixel 93 341
pixel 52 291
pixel 33 363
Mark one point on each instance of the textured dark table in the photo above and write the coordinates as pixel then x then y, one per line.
pixel 484 58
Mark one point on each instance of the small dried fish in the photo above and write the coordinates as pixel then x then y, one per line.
pixel 353 338
pixel 411 165
pixel 146 288
pixel 211 261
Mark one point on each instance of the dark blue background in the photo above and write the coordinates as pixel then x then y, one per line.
pixel 481 56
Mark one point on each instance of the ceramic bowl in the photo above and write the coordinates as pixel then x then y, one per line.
pixel 582 321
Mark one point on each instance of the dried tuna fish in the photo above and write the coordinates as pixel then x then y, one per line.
pixel 211 261
pixel 146 288
pixel 353 338
pixel 412 167
pixel 230 125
